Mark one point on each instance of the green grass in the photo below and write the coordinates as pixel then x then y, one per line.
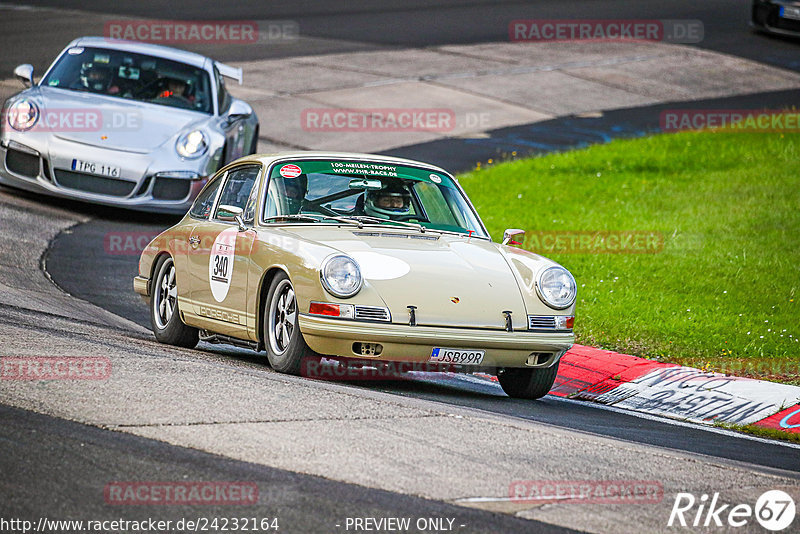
pixel 723 294
pixel 770 433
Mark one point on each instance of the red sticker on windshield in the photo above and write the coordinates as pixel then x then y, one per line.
pixel 290 171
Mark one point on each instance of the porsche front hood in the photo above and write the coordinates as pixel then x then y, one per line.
pixel 450 280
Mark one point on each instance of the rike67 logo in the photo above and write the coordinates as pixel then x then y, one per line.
pixel 774 510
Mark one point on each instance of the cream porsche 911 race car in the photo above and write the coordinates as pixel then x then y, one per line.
pixel 356 257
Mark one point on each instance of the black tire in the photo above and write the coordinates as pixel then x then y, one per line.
pixel 527 383
pixel 165 317
pixel 283 341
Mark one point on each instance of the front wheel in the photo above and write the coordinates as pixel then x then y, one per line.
pixel 282 338
pixel 527 383
pixel 164 315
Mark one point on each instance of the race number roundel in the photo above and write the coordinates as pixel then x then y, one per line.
pixel 220 264
pixel 290 171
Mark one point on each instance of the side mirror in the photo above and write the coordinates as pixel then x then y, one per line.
pixel 239 110
pixel 231 214
pixel 24 73
pixel 509 234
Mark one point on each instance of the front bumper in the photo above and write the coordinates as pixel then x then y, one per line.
pixel 403 343
pixel 47 170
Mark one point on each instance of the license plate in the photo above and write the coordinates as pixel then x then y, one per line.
pixel 788 12
pixel 457 356
pixel 91 167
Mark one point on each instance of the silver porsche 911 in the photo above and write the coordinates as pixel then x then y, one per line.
pixel 125 124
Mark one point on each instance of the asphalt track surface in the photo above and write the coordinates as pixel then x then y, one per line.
pixel 356 25
pixel 41 487
pixel 101 455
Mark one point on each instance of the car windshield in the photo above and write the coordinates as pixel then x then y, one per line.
pixel 132 76
pixel 367 193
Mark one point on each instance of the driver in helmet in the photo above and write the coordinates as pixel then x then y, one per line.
pixel 295 190
pixel 388 203
pixel 97 78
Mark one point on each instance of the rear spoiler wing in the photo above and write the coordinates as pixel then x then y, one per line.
pixel 230 72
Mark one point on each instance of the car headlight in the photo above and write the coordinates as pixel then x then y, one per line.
pixel 22 115
pixel 192 144
pixel 341 276
pixel 557 287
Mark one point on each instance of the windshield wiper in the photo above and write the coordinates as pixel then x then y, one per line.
pixel 312 218
pixel 295 217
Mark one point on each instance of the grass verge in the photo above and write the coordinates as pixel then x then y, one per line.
pixel 720 292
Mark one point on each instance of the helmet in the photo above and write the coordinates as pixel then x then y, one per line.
pixel 391 201
pixel 295 190
pixel 95 77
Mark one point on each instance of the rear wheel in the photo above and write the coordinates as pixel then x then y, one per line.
pixel 527 383
pixel 165 317
pixel 282 338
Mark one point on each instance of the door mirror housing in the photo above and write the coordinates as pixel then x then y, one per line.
pixel 24 73
pixel 239 110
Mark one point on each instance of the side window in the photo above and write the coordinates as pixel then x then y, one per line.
pixel 238 186
pixel 223 98
pixel 204 202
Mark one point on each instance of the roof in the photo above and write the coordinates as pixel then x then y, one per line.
pixel 165 52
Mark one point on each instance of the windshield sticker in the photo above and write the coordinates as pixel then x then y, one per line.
pixel 364 168
pixel 102 58
pixel 220 264
pixel 75 51
pixel 290 171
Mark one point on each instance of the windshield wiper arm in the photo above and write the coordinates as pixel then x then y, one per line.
pixel 294 217
pixel 378 220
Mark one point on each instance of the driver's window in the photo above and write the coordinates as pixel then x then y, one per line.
pixel 238 187
pixel 204 202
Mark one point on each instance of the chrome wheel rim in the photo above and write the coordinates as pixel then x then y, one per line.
pixel 282 318
pixel 165 299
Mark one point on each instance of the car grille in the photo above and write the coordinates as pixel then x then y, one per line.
pixel 171 189
pixel 541 322
pixel 22 163
pixel 372 313
pixel 94 184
